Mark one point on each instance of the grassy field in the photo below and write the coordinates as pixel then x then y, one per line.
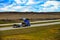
pixel 51 32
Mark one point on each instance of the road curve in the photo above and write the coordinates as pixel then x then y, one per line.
pixel 35 25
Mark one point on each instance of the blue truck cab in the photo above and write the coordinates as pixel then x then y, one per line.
pixel 26 21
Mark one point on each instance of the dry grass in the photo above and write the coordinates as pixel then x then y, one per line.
pixel 36 33
pixel 18 37
pixel 29 15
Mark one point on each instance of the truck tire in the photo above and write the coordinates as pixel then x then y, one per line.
pixel 23 24
pixel 14 26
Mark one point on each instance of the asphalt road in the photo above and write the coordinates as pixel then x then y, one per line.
pixel 31 22
pixel 35 25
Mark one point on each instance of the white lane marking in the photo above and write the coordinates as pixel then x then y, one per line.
pixel 36 25
pixel 31 22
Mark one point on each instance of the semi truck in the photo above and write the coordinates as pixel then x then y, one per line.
pixel 25 23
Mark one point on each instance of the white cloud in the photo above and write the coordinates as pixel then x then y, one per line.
pixel 55 3
pixel 32 6
pixel 30 2
pixel 55 6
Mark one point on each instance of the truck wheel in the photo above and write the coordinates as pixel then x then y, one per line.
pixel 23 24
pixel 14 26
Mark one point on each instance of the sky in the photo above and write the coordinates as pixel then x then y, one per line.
pixel 29 5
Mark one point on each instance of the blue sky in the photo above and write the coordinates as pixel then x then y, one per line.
pixel 30 5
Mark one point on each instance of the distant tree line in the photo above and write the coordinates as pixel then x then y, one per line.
pixel 33 12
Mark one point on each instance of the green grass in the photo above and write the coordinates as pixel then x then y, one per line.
pixel 51 32
pixel 6 26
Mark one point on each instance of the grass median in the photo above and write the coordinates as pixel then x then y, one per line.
pixel 51 32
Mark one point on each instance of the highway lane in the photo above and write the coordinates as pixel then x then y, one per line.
pixel 31 22
pixel 35 25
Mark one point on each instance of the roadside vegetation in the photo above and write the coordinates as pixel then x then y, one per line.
pixel 9 21
pixel 3 21
pixel 51 32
